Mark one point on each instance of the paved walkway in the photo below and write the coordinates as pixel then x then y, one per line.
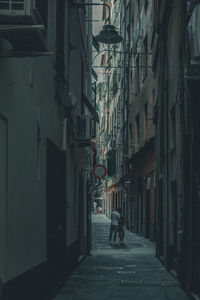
pixel 114 271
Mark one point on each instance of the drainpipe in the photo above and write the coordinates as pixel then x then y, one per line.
pixel 1 288
pixel 186 245
pixel 167 147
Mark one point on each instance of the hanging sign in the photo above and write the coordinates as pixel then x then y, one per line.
pixel 99 171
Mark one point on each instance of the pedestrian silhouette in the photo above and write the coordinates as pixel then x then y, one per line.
pixel 95 207
pixel 121 226
pixel 115 216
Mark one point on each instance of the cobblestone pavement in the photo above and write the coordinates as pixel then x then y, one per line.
pixel 115 271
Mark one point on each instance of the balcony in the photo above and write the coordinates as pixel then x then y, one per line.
pixel 24 24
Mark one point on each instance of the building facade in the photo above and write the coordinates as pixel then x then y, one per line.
pixel 44 136
pixel 176 67
pixel 129 145
pixel 140 168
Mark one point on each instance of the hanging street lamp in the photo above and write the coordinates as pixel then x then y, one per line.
pixel 108 35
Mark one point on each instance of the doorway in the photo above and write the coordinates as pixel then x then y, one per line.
pixel 81 216
pixel 56 213
pixel 3 196
pixel 147 213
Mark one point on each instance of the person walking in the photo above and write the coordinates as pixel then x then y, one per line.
pixel 95 207
pixel 121 226
pixel 115 216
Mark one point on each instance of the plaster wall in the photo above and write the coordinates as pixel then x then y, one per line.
pixel 27 101
pixel 174 104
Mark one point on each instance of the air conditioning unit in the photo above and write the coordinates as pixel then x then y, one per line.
pixel 28 19
pixel 16 7
pixel 83 127
pixel 194 40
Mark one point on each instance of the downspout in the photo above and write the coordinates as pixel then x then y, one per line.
pixel 187 176
pixel 186 243
pixel 162 30
pixel 167 143
pixel 88 203
pixel 127 127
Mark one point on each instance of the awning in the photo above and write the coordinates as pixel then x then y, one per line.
pixel 91 108
pixel 24 53
pixel 9 27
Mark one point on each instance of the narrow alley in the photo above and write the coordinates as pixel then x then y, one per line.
pixel 99 117
pixel 115 271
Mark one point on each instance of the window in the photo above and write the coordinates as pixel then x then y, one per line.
pixel 145 121
pixel 115 112
pixel 137 131
pixel 130 138
pixel 118 115
pixel 138 3
pixel 105 10
pixel 146 5
pixel 104 60
pixel 144 67
pixel 75 189
pixel 174 216
pixel 137 76
pixel 42 7
pixel 60 44
pixel 173 128
pixel 82 85
pixel 115 82
pixel 12 5
pixel 112 121
pixel 157 6
pixel 38 144
pixel 130 133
